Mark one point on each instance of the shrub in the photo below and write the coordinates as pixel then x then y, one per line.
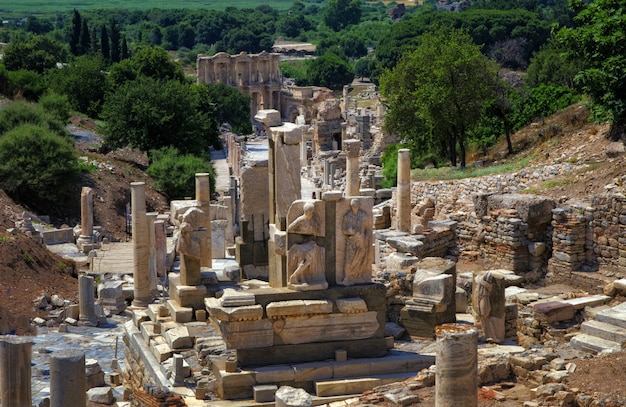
pixel 58 106
pixel 18 113
pixel 174 173
pixel 38 167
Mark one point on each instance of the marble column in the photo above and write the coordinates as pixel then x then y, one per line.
pixel 86 298
pixel 151 219
pixel 68 383
pixel 404 191
pixel 203 196
pixel 85 240
pixel 141 250
pixel 15 372
pixel 353 180
pixel 456 378
pixel 160 244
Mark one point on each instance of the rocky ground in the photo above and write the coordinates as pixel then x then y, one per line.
pixel 27 268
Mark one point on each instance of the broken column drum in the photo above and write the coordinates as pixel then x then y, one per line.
pixel 85 240
pixel 352 149
pixel 87 300
pixel 404 191
pixel 456 378
pixel 68 383
pixel 141 251
pixel 203 196
pixel 15 371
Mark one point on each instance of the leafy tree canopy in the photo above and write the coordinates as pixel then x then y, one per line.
pixel 439 87
pixel 329 70
pixel 340 13
pixel 151 62
pixel 227 105
pixel 600 41
pixel 149 114
pixel 35 53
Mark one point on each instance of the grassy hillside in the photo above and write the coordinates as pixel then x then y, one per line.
pixel 12 7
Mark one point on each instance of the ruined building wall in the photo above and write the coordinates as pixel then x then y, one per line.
pixel 256 75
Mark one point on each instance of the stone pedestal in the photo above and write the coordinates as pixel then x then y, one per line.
pixel 456 378
pixel 85 241
pixel 87 300
pixel 67 379
pixel 403 203
pixel 15 371
pixel 141 249
pixel 353 181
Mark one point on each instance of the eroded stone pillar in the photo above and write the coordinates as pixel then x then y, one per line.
pixel 150 219
pixel 404 191
pixel 160 244
pixel 85 239
pixel 456 378
pixel 86 300
pixel 141 250
pixel 353 180
pixel 68 384
pixel 15 372
pixel 203 196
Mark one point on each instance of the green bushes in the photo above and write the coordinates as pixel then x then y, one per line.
pixel 174 173
pixel 38 167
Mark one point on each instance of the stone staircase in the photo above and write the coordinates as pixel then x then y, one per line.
pixel 607 332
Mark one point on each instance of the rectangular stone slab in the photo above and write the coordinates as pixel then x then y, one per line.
pixel 326 327
pixel 285 354
pixel 554 311
pixel 247 334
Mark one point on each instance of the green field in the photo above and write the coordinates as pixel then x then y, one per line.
pixel 17 7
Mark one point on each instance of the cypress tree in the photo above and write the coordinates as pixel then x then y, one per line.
pixel 85 46
pixel 125 53
pixel 104 44
pixel 115 43
pixel 75 34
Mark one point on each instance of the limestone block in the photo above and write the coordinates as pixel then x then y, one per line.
pixel 291 397
pixel 354 245
pixel 243 313
pixel 281 309
pixel 399 262
pixel 351 305
pixel 247 334
pixel 236 379
pixel 620 284
pixel 461 300
pixel 352 368
pixel 589 301
pixel 274 374
pixel 235 298
pixel 318 307
pixel 288 189
pixel 179 314
pixel 269 117
pixel 326 327
pixel 162 352
pixel 178 338
pixel 264 394
pixel 406 244
pixel 255 198
pixel 148 331
pixel 308 372
pixel 92 367
pixel 102 395
pixel 439 289
pixel 341 355
pixel 554 311
pixel 346 386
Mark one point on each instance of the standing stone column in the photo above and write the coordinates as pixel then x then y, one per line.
pixel 85 240
pixel 353 181
pixel 86 300
pixel 150 219
pixel 203 196
pixel 68 384
pixel 15 372
pixel 160 244
pixel 404 191
pixel 456 378
pixel 141 250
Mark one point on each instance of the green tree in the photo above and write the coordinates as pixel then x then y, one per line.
pixel 174 173
pixel 85 39
pixel 116 51
pixel 338 14
pixel 19 113
pixel 149 114
pixel 329 70
pixel 599 40
pixel 38 167
pixel 440 86
pixel 551 66
pixel 83 82
pixel 75 33
pixel 105 46
pixel 153 62
pixel 227 105
pixel 35 53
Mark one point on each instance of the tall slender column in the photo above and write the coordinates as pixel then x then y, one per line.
pixel 203 196
pixel 353 181
pixel 150 219
pixel 141 251
pixel 86 296
pixel 68 384
pixel 160 244
pixel 404 191
pixel 456 379
pixel 85 240
pixel 15 372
